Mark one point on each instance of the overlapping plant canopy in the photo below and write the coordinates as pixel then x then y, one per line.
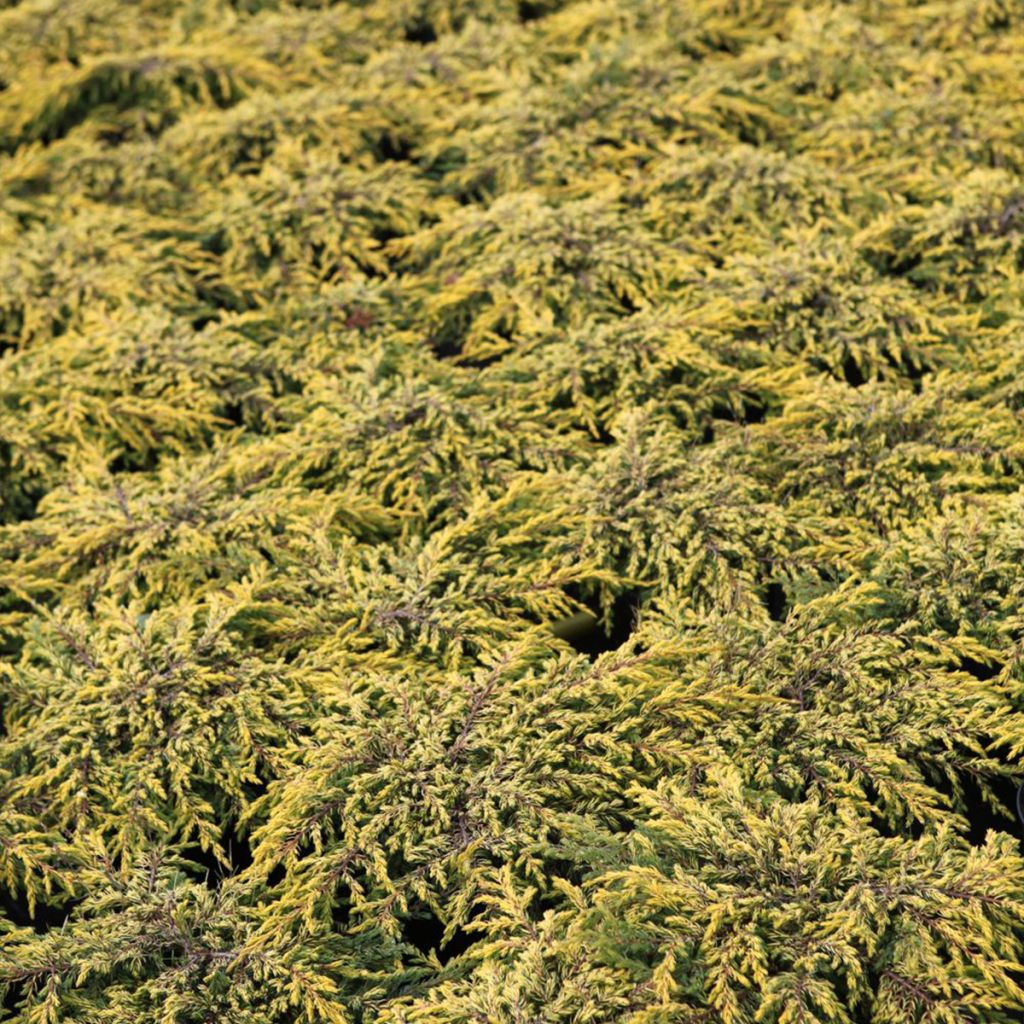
pixel 356 357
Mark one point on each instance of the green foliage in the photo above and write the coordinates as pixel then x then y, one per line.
pixel 511 511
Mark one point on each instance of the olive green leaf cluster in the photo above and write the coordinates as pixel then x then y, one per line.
pixel 511 511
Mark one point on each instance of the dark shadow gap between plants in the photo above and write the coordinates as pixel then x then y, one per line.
pixel 583 630
pixel 425 932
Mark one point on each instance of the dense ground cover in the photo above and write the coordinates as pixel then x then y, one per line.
pixel 356 356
